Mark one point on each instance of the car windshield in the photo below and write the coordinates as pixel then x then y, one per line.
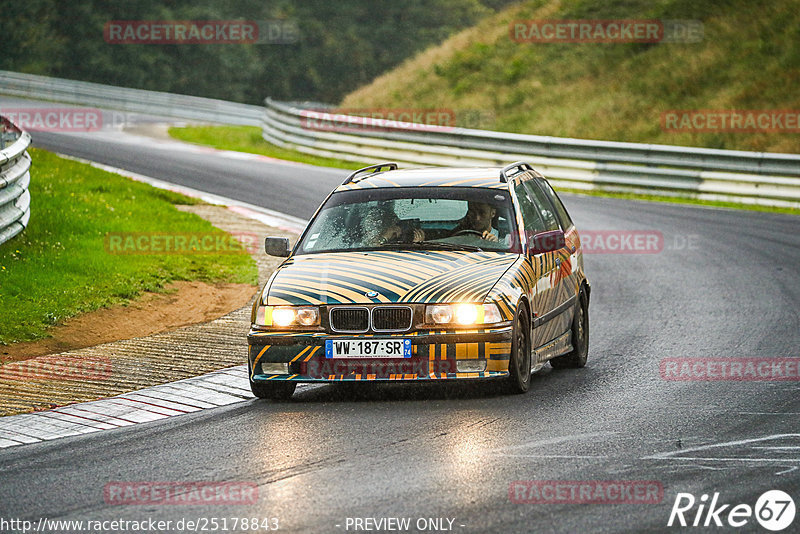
pixel 452 218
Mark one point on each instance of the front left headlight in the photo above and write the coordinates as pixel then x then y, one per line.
pixel 463 314
pixel 287 316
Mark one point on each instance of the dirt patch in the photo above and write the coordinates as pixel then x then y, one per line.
pixel 152 346
pixel 185 303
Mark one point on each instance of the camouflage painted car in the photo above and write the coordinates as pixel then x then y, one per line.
pixel 424 274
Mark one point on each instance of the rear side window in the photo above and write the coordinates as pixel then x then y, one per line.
pixel 543 206
pixel 566 221
pixel 531 218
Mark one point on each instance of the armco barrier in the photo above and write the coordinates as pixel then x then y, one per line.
pixel 125 99
pixel 15 176
pixel 711 174
pixel 749 177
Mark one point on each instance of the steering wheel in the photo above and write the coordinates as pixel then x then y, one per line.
pixel 468 231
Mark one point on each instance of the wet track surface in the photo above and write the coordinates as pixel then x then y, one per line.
pixel 726 284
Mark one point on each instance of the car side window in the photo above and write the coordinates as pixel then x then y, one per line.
pixel 543 206
pixel 531 219
pixel 566 221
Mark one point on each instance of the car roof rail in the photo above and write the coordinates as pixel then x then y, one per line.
pixel 521 165
pixel 372 169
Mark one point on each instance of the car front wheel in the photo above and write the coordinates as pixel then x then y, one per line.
pixel 519 365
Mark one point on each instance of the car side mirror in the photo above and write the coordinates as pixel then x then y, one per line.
pixel 277 246
pixel 548 241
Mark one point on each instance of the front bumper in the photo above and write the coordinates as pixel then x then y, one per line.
pixel 435 355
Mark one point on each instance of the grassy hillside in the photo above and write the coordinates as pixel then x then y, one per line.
pixel 749 59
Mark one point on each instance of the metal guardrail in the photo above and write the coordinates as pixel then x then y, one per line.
pixel 15 176
pixel 739 176
pixel 125 99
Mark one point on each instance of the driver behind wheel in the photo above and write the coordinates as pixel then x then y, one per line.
pixel 478 220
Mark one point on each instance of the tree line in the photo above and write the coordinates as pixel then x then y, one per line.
pixel 337 46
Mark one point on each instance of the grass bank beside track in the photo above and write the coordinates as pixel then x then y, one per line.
pixel 61 266
pixel 248 139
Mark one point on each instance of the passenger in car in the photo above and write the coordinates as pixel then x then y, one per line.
pixel 381 225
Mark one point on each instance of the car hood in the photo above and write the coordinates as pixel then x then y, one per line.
pixel 396 276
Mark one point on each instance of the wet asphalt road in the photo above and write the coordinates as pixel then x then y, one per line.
pixel 725 285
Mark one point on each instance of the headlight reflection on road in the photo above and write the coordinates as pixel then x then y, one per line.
pixel 285 447
pixel 469 444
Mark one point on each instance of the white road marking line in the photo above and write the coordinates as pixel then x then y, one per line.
pixel 675 454
pixel 718 459
pixel 554 441
pixel 769 413
pixel 567 456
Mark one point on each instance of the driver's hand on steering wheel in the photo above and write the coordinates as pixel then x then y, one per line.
pixel 418 235
pixel 488 236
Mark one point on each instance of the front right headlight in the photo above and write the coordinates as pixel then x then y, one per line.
pixel 462 314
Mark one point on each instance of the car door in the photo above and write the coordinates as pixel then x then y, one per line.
pixel 561 272
pixel 544 295
pixel 571 271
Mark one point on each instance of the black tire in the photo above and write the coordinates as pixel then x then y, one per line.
pixel 277 390
pixel 519 365
pixel 580 338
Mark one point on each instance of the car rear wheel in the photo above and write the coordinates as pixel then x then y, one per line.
pixel 580 338
pixel 278 390
pixel 519 365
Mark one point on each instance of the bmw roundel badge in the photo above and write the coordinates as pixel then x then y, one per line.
pixel 372 294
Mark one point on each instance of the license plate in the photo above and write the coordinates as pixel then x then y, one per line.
pixel 367 348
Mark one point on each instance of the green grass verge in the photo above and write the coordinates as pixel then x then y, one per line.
pixel 681 200
pixel 248 139
pixel 60 266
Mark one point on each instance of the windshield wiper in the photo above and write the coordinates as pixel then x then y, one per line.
pixel 435 244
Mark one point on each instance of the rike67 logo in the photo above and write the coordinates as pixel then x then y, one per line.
pixel 774 510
